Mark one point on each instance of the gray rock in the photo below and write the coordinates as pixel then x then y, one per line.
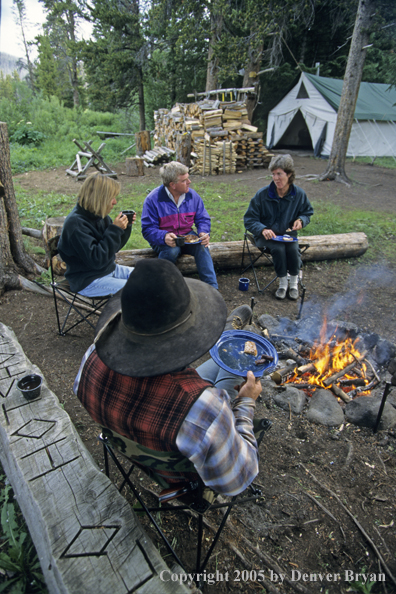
pixel 270 389
pixel 267 321
pixel 392 366
pixel 363 411
pixel 384 351
pixel 343 329
pixel 290 399
pixel 324 409
pixel 370 340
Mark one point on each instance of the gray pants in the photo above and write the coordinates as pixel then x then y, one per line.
pixel 220 378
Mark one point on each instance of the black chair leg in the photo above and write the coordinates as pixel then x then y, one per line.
pixel 140 500
pixel 218 533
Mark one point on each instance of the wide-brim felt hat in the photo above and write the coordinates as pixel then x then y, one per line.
pixel 159 322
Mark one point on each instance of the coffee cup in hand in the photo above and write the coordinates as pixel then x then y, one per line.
pixel 129 214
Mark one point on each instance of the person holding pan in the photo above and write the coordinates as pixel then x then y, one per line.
pixel 278 209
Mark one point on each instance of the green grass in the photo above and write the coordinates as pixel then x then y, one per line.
pixel 226 204
pixel 53 153
pixel 388 162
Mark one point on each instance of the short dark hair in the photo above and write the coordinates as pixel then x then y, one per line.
pixel 284 162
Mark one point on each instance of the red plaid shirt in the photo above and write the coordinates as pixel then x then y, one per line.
pixel 148 410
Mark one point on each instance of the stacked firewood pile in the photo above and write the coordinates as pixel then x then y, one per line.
pixel 222 137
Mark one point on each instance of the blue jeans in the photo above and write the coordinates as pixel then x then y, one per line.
pixel 220 378
pixel 202 256
pixel 109 284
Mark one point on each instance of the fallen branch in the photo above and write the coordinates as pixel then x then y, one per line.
pixel 32 232
pixel 362 530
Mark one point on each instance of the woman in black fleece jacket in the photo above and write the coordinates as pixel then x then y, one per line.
pixel 90 239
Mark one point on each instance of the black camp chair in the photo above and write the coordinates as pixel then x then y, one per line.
pixel 83 307
pixel 253 257
pixel 178 478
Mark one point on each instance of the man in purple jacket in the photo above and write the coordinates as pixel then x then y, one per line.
pixel 171 210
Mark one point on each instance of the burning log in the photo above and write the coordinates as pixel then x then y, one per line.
pixel 369 386
pixel 291 354
pixel 330 380
pixel 353 382
pixel 340 393
pixel 279 375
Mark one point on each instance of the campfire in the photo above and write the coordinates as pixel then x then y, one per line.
pixel 334 361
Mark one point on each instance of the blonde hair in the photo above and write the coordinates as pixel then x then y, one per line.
pixel 97 192
pixel 170 172
pixel 284 162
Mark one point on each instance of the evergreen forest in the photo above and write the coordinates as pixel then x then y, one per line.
pixel 150 54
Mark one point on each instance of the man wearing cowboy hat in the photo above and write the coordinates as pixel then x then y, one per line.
pixel 135 379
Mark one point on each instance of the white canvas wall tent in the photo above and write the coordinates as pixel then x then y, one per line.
pixel 306 118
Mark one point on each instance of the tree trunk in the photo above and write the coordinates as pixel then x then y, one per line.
pixel 353 74
pixel 142 114
pixel 12 254
pixel 212 72
pixel 143 142
pixel 250 78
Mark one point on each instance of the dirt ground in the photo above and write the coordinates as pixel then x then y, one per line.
pixel 298 527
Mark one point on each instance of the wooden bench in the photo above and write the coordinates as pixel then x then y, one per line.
pixel 87 537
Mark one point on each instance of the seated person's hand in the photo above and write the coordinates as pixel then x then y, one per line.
pixel 206 239
pixel 250 388
pixel 268 233
pixel 170 239
pixel 297 225
pixel 121 221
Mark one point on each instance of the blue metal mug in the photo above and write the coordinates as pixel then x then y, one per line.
pixel 244 284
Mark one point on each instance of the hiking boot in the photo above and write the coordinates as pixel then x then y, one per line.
pixel 293 294
pixel 238 318
pixel 280 293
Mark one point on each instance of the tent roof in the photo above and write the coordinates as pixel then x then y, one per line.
pixel 375 101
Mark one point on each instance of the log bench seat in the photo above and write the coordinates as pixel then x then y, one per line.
pixel 228 254
pixel 87 537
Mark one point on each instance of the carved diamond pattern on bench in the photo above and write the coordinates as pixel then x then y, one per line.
pixel 90 541
pixel 35 428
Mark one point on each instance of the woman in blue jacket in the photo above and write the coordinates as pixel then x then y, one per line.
pixel 90 239
pixel 278 209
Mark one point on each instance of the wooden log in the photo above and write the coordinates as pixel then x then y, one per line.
pixel 52 228
pixel 87 537
pixel 143 142
pixel 134 166
pixel 228 254
pixel 183 149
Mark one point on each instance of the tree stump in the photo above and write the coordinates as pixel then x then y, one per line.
pixel 183 149
pixel 143 142
pixel 134 166
pixel 52 228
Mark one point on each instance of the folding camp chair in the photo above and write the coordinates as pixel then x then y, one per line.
pixel 178 479
pixel 83 307
pixel 248 243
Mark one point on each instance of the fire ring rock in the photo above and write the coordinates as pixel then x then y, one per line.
pixel 290 399
pixel 363 411
pixel 324 409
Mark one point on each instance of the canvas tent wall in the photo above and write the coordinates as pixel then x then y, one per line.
pixel 306 118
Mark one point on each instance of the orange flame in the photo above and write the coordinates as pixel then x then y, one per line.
pixel 329 356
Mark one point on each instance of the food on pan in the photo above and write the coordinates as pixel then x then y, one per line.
pixel 287 238
pixel 250 348
pixel 190 238
pixel 263 359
